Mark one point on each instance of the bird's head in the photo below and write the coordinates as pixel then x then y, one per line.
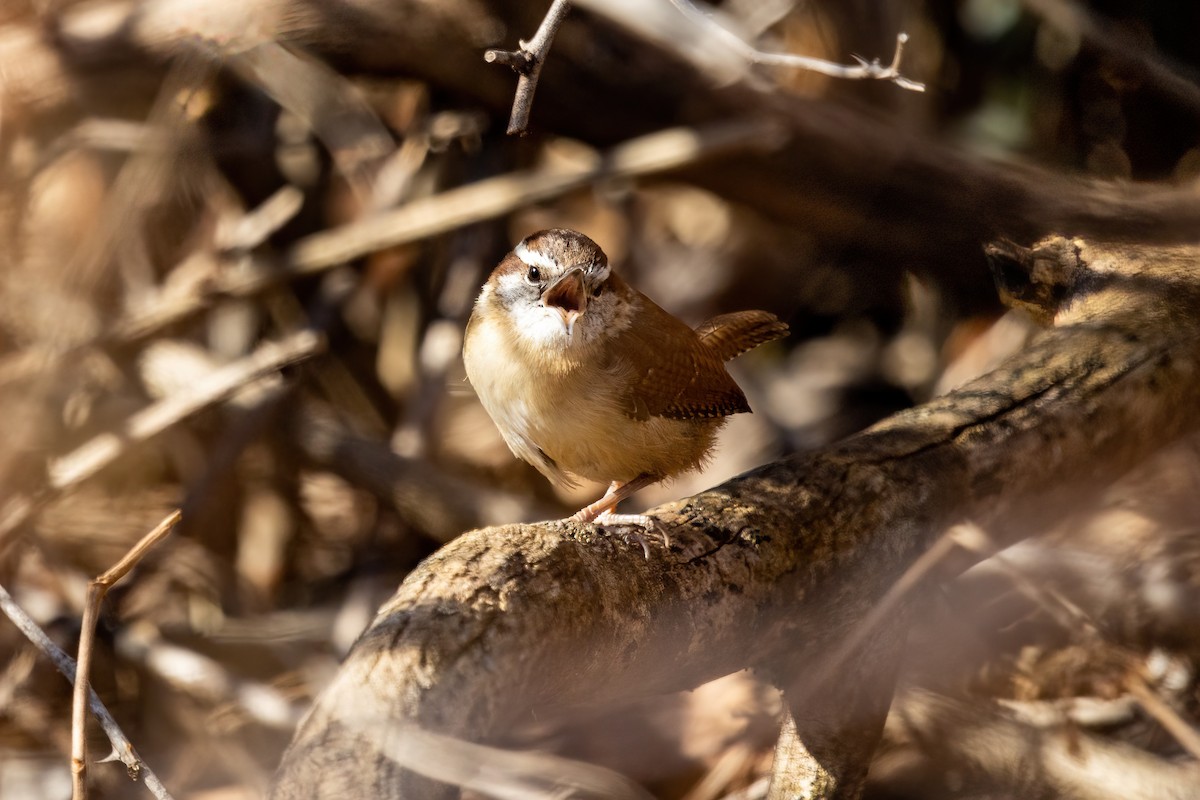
pixel 556 290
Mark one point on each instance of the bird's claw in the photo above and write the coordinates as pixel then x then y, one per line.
pixel 635 521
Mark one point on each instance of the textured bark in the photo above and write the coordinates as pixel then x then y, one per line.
pixel 829 738
pixel 773 568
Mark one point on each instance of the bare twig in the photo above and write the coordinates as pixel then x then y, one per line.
pixel 97 589
pixel 863 70
pixel 122 748
pixel 527 62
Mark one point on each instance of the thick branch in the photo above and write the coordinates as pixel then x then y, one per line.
pixel 777 565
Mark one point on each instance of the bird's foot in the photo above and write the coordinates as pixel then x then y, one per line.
pixel 636 525
pixel 602 512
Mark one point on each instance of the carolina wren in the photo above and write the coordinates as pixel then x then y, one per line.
pixel 586 377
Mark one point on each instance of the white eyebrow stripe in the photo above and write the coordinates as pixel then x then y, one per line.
pixel 535 259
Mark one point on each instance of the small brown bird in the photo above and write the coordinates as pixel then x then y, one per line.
pixel 587 377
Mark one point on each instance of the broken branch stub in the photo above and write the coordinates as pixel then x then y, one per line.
pixel 775 567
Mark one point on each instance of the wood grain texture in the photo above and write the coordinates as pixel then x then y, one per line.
pixel 771 569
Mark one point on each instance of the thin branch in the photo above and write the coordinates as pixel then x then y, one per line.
pixel 97 590
pixel 1166 716
pixel 864 70
pixel 123 749
pixel 527 62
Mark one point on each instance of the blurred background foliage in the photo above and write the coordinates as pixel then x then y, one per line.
pixel 150 207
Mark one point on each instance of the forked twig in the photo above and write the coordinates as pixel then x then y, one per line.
pixel 527 61
pixel 97 589
pixel 123 749
pixel 863 70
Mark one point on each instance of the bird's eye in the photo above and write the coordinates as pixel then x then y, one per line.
pixel 599 290
pixel 534 275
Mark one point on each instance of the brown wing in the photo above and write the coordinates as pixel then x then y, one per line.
pixel 673 374
pixel 731 335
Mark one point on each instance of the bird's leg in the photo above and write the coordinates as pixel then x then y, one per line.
pixel 603 510
pixel 617 492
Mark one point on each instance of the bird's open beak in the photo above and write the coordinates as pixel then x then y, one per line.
pixel 568 296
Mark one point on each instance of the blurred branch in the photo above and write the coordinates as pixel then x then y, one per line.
pixel 658 152
pixel 822 759
pixel 97 589
pixel 452 209
pixel 434 503
pixel 1071 618
pixel 1057 762
pixel 328 104
pixel 1086 712
pixel 1166 716
pixel 527 62
pixel 929 204
pixel 92 456
pixel 1135 58
pixel 251 229
pixel 495 773
pixel 776 566
pixel 89 458
pixel 207 679
pixel 122 748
